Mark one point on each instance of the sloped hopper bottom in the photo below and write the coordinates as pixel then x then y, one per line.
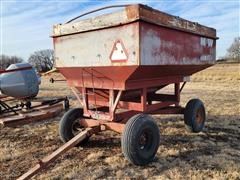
pixel 124 77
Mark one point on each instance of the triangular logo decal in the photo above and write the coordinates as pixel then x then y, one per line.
pixel 119 52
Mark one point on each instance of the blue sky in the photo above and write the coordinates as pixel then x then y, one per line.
pixel 27 25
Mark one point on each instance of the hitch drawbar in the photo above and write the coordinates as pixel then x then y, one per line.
pixel 43 163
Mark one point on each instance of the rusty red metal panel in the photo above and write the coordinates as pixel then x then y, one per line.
pixel 127 77
pixel 111 77
pixel 152 72
pixel 164 46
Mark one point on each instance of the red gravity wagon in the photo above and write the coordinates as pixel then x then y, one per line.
pixel 117 65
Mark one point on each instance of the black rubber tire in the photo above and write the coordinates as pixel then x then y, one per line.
pixel 194 115
pixel 66 125
pixel 136 128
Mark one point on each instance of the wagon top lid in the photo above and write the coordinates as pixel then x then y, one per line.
pixel 131 13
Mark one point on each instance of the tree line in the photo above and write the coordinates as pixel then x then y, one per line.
pixel 5 60
pixel 233 52
pixel 42 60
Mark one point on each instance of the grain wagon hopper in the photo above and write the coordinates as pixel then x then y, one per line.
pixel 117 65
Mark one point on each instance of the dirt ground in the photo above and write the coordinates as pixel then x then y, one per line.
pixel 211 154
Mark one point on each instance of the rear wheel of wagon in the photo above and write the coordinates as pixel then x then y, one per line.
pixel 194 115
pixel 140 139
pixel 69 125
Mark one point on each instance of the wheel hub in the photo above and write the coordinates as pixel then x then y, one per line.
pixel 200 116
pixel 76 128
pixel 143 140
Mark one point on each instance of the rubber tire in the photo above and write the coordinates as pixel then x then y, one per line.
pixel 190 114
pixel 135 126
pixel 66 123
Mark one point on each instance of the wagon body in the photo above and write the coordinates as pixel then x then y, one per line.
pixel 117 65
pixel 135 44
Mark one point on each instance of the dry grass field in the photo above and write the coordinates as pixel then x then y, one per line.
pixel 211 154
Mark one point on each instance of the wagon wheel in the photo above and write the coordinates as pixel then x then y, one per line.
pixel 140 139
pixel 194 115
pixel 69 125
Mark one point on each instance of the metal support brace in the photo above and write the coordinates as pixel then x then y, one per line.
pixel 177 93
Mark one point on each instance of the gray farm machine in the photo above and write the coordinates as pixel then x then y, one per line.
pixel 19 86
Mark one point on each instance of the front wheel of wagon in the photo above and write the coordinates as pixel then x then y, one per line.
pixel 69 125
pixel 194 115
pixel 140 139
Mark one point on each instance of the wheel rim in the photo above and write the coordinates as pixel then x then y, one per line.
pixel 76 127
pixel 144 141
pixel 200 116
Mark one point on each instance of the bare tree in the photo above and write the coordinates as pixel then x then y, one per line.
pixel 233 52
pixel 5 60
pixel 42 60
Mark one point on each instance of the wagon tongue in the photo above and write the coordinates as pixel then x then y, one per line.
pixel 43 163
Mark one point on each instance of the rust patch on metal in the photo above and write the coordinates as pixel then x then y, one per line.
pixel 132 11
pixel 163 19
